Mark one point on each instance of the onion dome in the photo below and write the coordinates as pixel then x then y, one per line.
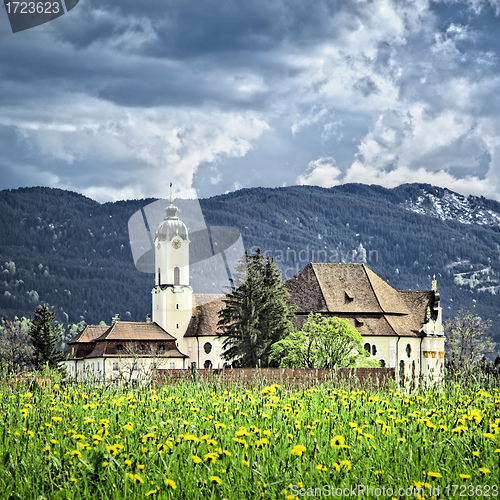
pixel 171 226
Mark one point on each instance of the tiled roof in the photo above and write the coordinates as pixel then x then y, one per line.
pixel 354 292
pixel 97 343
pixel 343 288
pixel 129 330
pixel 89 333
pixel 205 315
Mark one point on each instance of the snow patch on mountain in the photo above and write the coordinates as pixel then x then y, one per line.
pixel 453 206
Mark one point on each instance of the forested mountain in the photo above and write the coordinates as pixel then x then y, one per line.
pixel 73 253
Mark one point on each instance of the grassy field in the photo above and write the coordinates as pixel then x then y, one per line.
pixel 194 441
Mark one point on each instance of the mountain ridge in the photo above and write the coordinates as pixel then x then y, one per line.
pixel 73 252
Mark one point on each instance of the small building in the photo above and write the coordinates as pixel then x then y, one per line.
pixel 124 351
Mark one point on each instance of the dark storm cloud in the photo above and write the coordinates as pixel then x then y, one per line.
pixel 217 95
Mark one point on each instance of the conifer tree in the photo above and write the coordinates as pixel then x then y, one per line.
pixel 45 334
pixel 256 312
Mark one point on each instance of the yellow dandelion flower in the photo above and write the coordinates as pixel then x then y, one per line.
pixel 141 466
pixel 434 475
pixel 489 435
pixel 170 483
pixel 475 453
pixel 128 426
pixel 464 476
pixel 484 470
pixel 337 442
pixel 196 459
pixel 215 479
pixel 298 450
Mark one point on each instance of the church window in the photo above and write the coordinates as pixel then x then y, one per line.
pixel 402 370
pixel 358 323
pixel 177 306
pixel 347 298
pixel 172 365
pixel 177 274
pixel 177 325
pixel 115 366
pixel 408 350
pixel 367 347
pixel 207 347
pixel 374 350
pixel 207 364
pixel 382 363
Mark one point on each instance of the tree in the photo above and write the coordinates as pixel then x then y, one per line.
pixel 15 345
pixel 45 335
pixel 467 341
pixel 323 342
pixel 256 312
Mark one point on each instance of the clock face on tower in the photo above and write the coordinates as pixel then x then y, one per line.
pixel 176 243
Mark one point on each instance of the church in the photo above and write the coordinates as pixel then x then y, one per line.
pixel 400 329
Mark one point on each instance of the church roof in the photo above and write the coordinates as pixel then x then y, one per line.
pixel 343 288
pixel 205 317
pixel 355 293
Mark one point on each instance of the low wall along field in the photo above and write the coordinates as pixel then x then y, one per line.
pixel 288 377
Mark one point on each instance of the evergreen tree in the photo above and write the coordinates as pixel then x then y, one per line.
pixel 45 334
pixel 256 312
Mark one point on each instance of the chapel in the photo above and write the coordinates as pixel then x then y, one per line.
pixel 401 329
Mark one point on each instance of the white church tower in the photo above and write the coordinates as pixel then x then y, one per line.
pixel 172 295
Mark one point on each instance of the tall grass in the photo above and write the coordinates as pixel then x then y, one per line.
pixel 196 440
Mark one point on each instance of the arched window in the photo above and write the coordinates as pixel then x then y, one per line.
pixel 374 350
pixel 207 347
pixel 207 364
pixel 177 276
pixel 408 350
pixel 402 370
pixel 382 363
pixel 368 347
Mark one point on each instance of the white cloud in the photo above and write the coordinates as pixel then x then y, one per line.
pixel 133 152
pixel 321 172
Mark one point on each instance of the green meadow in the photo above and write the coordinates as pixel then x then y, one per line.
pixel 195 441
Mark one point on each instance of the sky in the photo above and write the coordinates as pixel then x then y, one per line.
pixel 117 98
